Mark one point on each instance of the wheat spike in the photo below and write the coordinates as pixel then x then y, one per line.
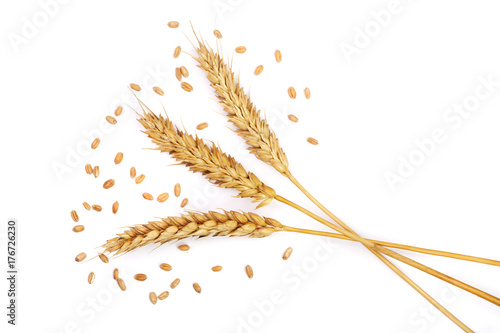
pixel 218 167
pixel 227 223
pixel 240 110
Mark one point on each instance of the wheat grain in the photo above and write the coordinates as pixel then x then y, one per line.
pixel 147 196
pixel 152 297
pixel 115 206
pixel 202 126
pixel 292 93
pixel 175 283
pixel 249 271
pixel 312 141
pixel 108 183
pixel 103 258
pixel 140 179
pixel 217 34
pixel 119 158
pixel 159 91
pixel 293 118
pixel 177 189
pixel 183 247
pixel 80 256
pixel 91 278
pixel 277 55
pixel 166 267
pixel 115 274
pixel 78 228
pixel 173 24
pixel 258 70
pixel 95 143
pixel 184 71
pixel 178 74
pixel 177 51
pixel 184 202
pixel 118 110
pixel 163 295
pixel 240 110
pixel 307 93
pixel 133 172
pixel 88 169
pixel 219 168
pixel 227 223
pixel 74 216
pixel 287 254
pixel 97 208
pixel 240 49
pixel 121 283
pixel 197 287
pixel 186 86
pixel 86 205
pixel 217 268
pixel 162 197
pixel 95 171
pixel 135 87
pixel 140 277
pixel 111 120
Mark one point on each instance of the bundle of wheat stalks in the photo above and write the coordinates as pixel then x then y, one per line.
pixel 224 171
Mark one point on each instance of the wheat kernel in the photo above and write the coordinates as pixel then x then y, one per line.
pixel 287 254
pixel 307 93
pixel 173 24
pixel 166 267
pixel 80 257
pixel 183 247
pixel 95 171
pixel 293 118
pixel 184 71
pixel 202 126
pixel 163 295
pixel 139 179
pixel 104 258
pixel 141 277
pixel 74 216
pixel 158 90
pixel 217 34
pixel 115 206
pixel 108 183
pixel 119 158
pixel 132 172
pixel 178 74
pixel 88 169
pixel 78 228
pixel 186 86
pixel 147 196
pixel 121 284
pixel 258 70
pixel 111 120
pixel 135 87
pixel 152 297
pixel 86 205
pixel 177 51
pixel 197 287
pixel 312 141
pixel 118 110
pixel 91 278
pixel 277 55
pixel 162 197
pixel 177 189
pixel 249 271
pixel 292 93
pixel 95 143
pixel 115 274
pixel 184 202
pixel 240 49
pixel 217 268
pixel 175 283
pixel 97 208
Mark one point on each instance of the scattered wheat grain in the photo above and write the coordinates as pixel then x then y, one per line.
pixel 119 158
pixel 121 284
pixel 184 202
pixel 177 189
pixel 139 179
pixel 115 206
pixel 104 259
pixel 74 216
pixel 152 297
pixel 140 277
pixel 312 141
pixel 277 55
pixel 115 274
pixel 133 172
pixel 202 126
pixel 118 110
pixel 240 49
pixel 95 143
pixel 178 74
pixel 175 283
pixel 177 51
pixel 108 183
pixel 159 91
pixel 78 228
pixel 287 254
pixel 307 93
pixel 186 86
pixel 292 93
pixel 147 196
pixel 111 120
pixel 217 268
pixel 135 87
pixel 80 257
pixel 166 267
pixel 183 247
pixel 197 287
pixel 293 118
pixel 249 271
pixel 97 208
pixel 217 34
pixel 258 70
pixel 162 197
pixel 95 171
pixel 91 278
pixel 184 71
pixel 173 24
pixel 163 295
pixel 86 205
pixel 88 168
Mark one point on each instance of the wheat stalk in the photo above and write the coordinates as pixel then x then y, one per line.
pixel 227 223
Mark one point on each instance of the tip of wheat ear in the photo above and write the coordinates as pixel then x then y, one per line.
pixel 227 223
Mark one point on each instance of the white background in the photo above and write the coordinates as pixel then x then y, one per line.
pixel 61 82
